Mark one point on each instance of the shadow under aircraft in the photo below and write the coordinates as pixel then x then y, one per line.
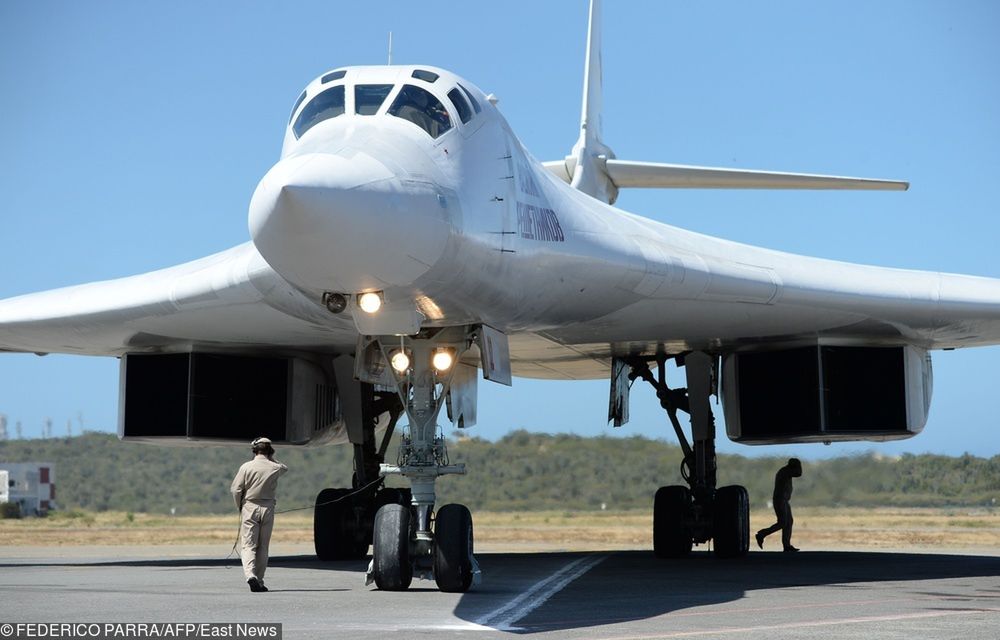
pixel 633 585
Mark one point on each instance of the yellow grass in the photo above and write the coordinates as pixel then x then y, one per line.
pixel 883 528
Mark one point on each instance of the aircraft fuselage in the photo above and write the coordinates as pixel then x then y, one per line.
pixel 468 227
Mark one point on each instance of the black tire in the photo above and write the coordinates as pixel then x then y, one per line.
pixel 671 537
pixel 391 548
pixel 384 497
pixel 393 496
pixel 731 522
pixel 336 534
pixel 453 536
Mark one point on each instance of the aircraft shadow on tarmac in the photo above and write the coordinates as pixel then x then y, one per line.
pixel 634 585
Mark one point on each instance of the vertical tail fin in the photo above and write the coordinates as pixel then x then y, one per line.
pixel 592 168
pixel 593 78
pixel 586 163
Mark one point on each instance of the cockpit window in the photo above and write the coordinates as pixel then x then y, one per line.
pixel 426 76
pixel 475 104
pixel 420 107
pixel 369 97
pixel 464 112
pixel 296 107
pixel 333 75
pixel 326 105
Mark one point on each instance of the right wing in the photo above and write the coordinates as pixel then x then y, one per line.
pixel 232 300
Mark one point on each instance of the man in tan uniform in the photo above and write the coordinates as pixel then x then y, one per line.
pixel 253 490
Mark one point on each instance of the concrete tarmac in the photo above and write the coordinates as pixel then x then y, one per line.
pixel 614 595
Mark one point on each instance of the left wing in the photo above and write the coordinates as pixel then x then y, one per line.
pixel 626 173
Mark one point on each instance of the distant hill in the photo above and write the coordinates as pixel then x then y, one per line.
pixel 523 471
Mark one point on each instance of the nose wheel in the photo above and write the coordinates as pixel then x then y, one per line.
pixel 391 565
pixel 414 541
pixel 454 565
pixel 397 550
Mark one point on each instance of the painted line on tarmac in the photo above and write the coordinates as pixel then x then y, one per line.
pixel 503 619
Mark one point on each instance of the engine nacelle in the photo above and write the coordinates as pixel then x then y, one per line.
pixel 194 397
pixel 826 393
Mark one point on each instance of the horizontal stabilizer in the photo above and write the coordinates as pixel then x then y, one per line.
pixel 678 176
pixel 558 168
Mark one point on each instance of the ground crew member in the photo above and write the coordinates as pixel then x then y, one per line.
pixel 253 490
pixel 782 508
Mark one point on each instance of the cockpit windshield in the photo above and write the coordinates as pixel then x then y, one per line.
pixel 326 105
pixel 434 114
pixel 475 103
pixel 464 112
pixel 420 107
pixel 369 97
pixel 298 103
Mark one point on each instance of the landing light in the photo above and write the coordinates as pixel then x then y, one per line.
pixel 370 302
pixel 442 360
pixel 400 362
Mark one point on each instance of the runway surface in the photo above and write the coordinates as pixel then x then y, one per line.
pixel 609 595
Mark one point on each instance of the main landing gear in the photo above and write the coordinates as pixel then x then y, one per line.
pixel 698 512
pixel 344 519
pixel 412 539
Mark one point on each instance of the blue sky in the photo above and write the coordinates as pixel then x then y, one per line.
pixel 131 138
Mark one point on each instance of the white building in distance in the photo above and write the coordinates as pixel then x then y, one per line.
pixel 32 485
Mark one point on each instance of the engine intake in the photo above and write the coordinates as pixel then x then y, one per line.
pixel 226 398
pixel 826 393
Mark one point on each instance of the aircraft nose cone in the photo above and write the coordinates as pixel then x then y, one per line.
pixel 328 223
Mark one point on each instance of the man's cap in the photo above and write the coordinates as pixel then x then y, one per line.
pixel 260 442
pixel 795 462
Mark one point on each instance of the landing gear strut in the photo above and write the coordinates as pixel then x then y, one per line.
pixel 699 512
pixel 344 519
pixel 413 540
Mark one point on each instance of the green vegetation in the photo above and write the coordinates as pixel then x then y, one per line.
pixel 524 471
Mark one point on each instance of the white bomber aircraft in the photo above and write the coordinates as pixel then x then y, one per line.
pixel 406 239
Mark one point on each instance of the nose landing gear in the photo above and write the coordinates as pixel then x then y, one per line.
pixel 412 540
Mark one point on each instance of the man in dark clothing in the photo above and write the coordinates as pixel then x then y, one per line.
pixel 782 508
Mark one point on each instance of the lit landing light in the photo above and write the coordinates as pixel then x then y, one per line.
pixel 442 360
pixel 370 302
pixel 400 362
